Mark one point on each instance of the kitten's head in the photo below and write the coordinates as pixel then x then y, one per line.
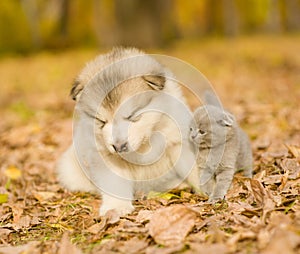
pixel 211 126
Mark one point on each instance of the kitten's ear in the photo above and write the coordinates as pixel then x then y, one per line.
pixel 76 90
pixel 156 82
pixel 211 99
pixel 227 120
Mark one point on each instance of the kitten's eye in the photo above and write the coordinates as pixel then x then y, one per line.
pixel 134 118
pixel 202 132
pixel 191 128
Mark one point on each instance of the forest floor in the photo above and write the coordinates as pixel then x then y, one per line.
pixel 257 78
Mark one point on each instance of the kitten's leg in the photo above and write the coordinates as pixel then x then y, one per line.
pixel 207 181
pixel 248 161
pixel 223 181
pixel 209 187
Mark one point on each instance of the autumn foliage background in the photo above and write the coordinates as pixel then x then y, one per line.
pixel 248 50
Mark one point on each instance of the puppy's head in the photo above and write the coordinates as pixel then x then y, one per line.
pixel 130 87
pixel 126 117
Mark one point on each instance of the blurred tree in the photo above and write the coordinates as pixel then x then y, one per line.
pixel 63 22
pixel 273 19
pixel 146 23
pixel 189 18
pixel 14 29
pixel 27 25
pixel 222 17
pixel 31 11
pixel 230 18
pixel 214 16
pixel 292 9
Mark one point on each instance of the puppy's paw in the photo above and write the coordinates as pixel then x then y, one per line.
pixel 121 207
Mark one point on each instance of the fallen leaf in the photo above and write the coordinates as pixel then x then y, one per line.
pixel 258 191
pixel 30 247
pixel 163 195
pixel 294 150
pixel 144 215
pixel 96 228
pixel 3 198
pixel 66 247
pixel 208 248
pixel 291 166
pixel 169 226
pixel 43 195
pixel 13 173
pixel 282 240
pixel 134 245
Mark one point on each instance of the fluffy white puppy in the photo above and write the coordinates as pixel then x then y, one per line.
pixel 130 130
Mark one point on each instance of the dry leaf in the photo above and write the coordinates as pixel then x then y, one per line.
pixel 66 247
pixel 169 226
pixel 144 215
pixel 294 150
pixel 134 245
pixel 13 173
pixel 291 166
pixel 96 228
pixel 22 249
pixel 43 195
pixel 283 240
pixel 258 191
pixel 3 198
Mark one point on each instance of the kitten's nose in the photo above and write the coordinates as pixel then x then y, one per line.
pixel 121 148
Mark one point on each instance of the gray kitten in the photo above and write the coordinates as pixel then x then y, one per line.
pixel 223 148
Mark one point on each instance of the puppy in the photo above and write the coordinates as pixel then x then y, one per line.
pixel 130 130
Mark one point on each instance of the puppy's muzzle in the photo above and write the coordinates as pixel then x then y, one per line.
pixel 121 148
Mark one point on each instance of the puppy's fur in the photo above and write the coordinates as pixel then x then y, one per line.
pixel 125 123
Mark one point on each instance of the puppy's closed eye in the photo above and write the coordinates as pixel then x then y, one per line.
pixel 100 122
pixel 134 117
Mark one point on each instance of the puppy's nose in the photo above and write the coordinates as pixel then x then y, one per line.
pixel 121 148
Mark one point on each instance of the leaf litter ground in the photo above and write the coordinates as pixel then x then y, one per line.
pixel 256 79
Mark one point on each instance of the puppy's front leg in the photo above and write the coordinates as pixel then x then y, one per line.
pixel 121 206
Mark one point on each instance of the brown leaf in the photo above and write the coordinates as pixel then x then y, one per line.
pixel 258 191
pixel 96 228
pixel 294 150
pixel 13 173
pixel 43 195
pixel 169 226
pixel 144 215
pixel 283 240
pixel 292 167
pixel 208 248
pixel 22 249
pixel 66 247
pixel 134 245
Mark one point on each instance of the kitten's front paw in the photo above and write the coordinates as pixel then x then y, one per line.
pixel 213 200
pixel 121 207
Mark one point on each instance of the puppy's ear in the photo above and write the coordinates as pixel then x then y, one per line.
pixel 227 120
pixel 156 82
pixel 76 90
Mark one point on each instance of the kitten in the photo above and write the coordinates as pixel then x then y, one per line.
pixel 223 149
